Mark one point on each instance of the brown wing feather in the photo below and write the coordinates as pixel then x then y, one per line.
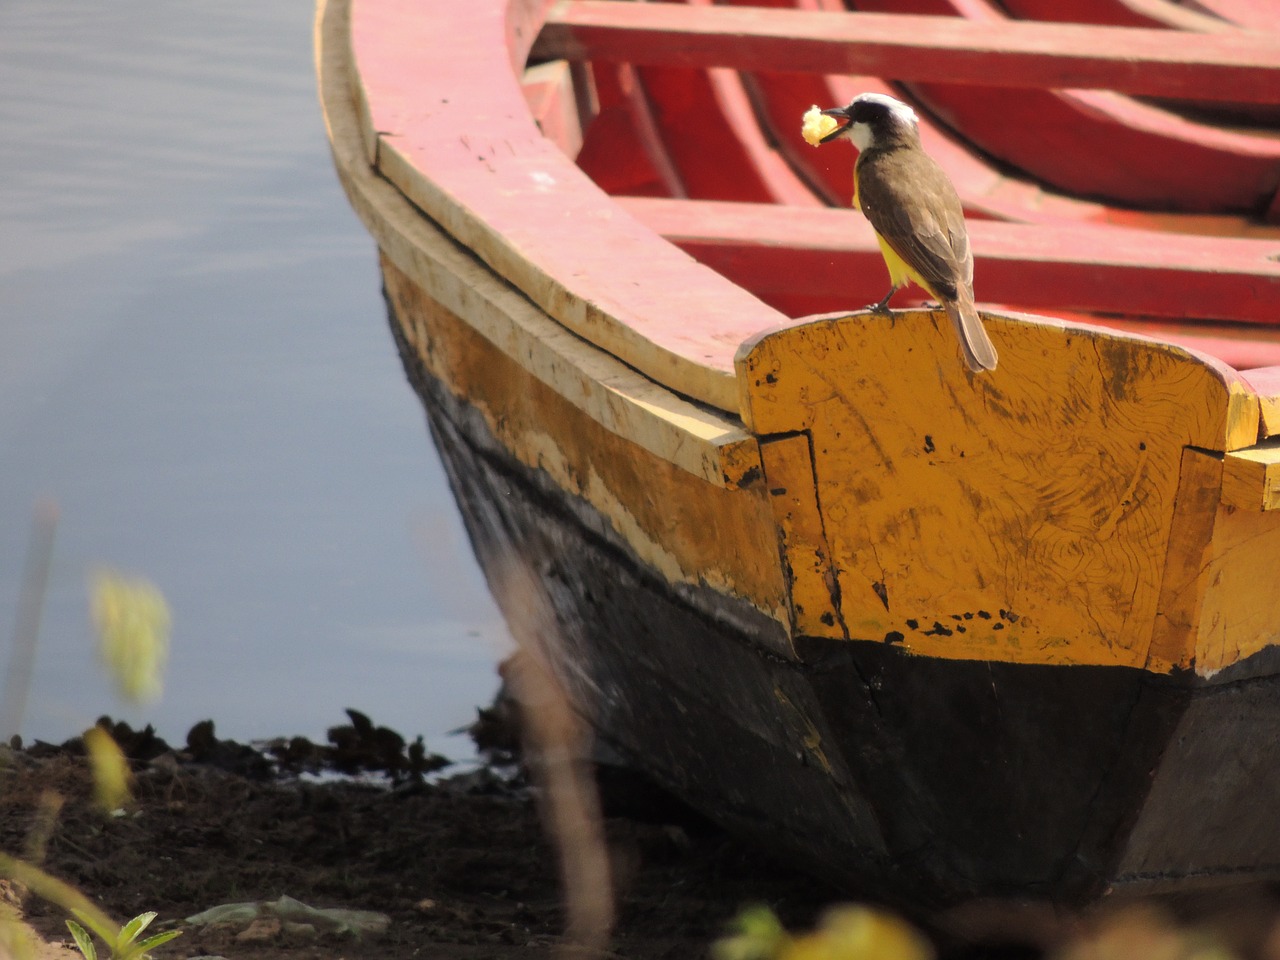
pixel 913 206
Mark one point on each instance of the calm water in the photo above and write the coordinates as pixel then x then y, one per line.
pixel 195 365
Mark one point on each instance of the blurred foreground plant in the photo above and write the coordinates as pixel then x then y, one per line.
pixel 111 773
pixel 845 933
pixel 133 621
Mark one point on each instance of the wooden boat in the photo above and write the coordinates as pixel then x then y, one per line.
pixel 933 635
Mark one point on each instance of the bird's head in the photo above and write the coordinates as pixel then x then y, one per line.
pixel 873 119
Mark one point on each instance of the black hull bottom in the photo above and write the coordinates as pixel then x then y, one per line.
pixel 901 777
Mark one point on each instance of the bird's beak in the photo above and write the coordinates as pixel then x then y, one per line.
pixel 840 113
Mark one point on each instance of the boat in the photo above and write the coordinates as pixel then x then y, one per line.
pixel 933 636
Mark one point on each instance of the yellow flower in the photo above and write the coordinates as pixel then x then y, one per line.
pixel 817 125
pixel 132 620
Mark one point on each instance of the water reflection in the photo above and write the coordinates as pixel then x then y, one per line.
pixel 194 364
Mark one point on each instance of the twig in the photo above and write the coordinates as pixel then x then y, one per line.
pixel 26 631
pixel 554 739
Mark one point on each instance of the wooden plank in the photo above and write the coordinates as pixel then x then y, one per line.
pixel 707 128
pixel 454 134
pixel 1117 13
pixel 1238 66
pixel 1266 382
pixel 1254 14
pixel 1185 576
pixel 1241 614
pixel 806 555
pixel 622 401
pixel 1019 515
pixel 549 91
pixel 1251 478
pixel 661 513
pixel 832 254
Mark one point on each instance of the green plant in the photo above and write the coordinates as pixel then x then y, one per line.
pixel 125 944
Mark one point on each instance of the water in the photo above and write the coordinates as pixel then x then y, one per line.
pixel 195 365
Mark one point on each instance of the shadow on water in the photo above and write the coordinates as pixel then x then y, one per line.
pixel 194 364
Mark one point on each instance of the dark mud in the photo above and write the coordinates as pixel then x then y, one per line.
pixel 460 865
pixel 459 862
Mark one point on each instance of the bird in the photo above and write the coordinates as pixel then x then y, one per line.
pixel 915 212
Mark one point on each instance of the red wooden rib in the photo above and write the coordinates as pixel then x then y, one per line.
pixel 780 97
pixel 1154 13
pixel 707 128
pixel 1234 66
pixel 1087 142
pixel 819 260
pixel 1099 143
pixel 1116 13
pixel 622 151
pixel 1254 14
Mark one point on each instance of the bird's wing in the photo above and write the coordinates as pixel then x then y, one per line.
pixel 913 206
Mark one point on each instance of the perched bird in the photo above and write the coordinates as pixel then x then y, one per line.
pixel 914 210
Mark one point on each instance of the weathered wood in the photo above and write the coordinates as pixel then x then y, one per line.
pixel 1266 382
pixel 622 151
pixel 1254 14
pixel 549 91
pixel 1251 479
pixel 831 257
pixel 698 131
pixel 1117 13
pixel 705 125
pixel 1032 552
pixel 1021 515
pixel 1184 580
pixel 1241 613
pixel 1237 345
pixel 620 400
pixel 689 534
pixel 806 555
pixel 1232 66
pixel 926 780
pixel 453 133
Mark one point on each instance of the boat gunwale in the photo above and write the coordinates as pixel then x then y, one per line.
pixel 702 441
pixel 473 160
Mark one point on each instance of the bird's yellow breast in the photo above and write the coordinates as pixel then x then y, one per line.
pixel 900 271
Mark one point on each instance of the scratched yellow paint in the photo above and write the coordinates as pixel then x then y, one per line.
pixel 1186 579
pixel 1241 611
pixel 806 555
pixel 1251 478
pixel 679 525
pixel 1020 515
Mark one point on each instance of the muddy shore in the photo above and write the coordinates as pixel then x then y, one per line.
pixel 457 861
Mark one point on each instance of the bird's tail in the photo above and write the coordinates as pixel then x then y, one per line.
pixel 979 352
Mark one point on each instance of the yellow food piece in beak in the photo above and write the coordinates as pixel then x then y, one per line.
pixel 817 125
